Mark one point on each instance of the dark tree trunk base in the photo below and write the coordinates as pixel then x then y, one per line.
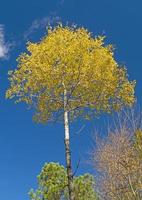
pixel 69 170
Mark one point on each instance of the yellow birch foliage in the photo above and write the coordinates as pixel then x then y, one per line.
pixel 70 59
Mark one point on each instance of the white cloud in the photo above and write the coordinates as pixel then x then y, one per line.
pixel 61 2
pixel 41 23
pixel 4 47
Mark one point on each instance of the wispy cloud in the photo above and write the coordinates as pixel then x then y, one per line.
pixel 61 2
pixel 4 46
pixel 41 23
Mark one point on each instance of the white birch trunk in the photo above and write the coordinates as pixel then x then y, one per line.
pixel 67 148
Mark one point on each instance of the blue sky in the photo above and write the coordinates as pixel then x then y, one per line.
pixel 24 145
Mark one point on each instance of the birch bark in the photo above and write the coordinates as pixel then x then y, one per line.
pixel 67 148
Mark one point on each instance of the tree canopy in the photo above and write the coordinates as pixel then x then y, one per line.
pixel 70 59
pixel 52 184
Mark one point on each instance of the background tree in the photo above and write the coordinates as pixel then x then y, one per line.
pixel 70 74
pixel 117 159
pixel 52 184
pixel 138 142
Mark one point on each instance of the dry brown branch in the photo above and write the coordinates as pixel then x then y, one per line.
pixel 117 160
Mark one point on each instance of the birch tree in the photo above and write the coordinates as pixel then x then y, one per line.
pixel 70 74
